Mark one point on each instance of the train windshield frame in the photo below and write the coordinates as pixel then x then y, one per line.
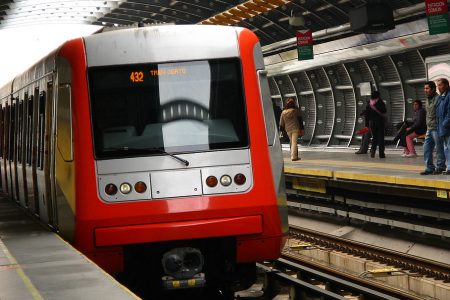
pixel 177 107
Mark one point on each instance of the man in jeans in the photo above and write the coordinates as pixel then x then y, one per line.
pixel 443 118
pixel 432 139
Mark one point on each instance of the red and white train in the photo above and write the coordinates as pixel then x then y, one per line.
pixel 157 143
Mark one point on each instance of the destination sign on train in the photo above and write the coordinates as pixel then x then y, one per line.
pixel 139 76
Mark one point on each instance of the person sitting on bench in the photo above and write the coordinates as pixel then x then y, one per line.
pixel 418 127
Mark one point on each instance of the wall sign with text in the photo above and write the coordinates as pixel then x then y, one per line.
pixel 305 44
pixel 437 16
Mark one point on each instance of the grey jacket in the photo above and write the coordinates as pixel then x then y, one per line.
pixel 430 107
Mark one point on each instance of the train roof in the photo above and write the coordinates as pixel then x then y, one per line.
pixel 161 44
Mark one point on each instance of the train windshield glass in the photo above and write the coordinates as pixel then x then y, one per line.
pixel 176 107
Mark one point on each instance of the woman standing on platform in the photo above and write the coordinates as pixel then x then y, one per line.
pixel 291 121
pixel 376 113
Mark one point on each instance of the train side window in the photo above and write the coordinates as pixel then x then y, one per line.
pixel 30 125
pixel 269 116
pixel 41 130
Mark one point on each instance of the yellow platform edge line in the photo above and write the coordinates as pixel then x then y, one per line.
pixel 415 182
pixel 365 177
pixel 310 172
pixel 353 164
pixel 419 182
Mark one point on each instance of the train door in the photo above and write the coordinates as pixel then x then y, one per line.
pixel 13 149
pixel 2 149
pixel 20 166
pixel 45 156
pixel 34 154
pixel 29 160
pixel 6 166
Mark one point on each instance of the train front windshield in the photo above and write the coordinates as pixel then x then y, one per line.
pixel 175 107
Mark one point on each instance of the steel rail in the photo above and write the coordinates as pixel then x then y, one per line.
pixel 404 261
pixel 298 284
pixel 379 286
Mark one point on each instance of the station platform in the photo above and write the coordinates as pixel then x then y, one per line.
pixel 383 202
pixel 343 169
pixel 35 263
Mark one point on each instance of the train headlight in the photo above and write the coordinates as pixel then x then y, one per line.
pixel 111 189
pixel 125 188
pixel 211 181
pixel 140 187
pixel 240 179
pixel 225 180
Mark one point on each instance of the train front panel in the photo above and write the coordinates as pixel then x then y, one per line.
pixel 170 151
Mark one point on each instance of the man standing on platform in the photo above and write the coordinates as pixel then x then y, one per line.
pixel 432 139
pixel 443 118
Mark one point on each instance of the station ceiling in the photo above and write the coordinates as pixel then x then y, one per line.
pixel 269 19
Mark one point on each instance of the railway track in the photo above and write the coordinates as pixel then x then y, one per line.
pixel 412 264
pixel 303 282
pixel 314 251
pixel 298 276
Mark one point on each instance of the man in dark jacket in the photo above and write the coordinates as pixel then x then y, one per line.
pixel 443 118
pixel 376 113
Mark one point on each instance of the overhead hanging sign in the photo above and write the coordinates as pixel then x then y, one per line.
pixel 304 44
pixel 437 16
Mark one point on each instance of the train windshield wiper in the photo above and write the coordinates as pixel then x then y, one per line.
pixel 185 162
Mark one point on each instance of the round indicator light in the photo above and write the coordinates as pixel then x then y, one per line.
pixel 125 188
pixel 140 187
pixel 240 179
pixel 211 181
pixel 110 189
pixel 225 180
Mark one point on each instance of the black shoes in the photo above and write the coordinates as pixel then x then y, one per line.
pixel 427 172
pixel 435 172
pixel 295 159
pixel 382 155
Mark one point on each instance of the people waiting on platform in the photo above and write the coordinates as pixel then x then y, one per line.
pixel 291 121
pixel 443 118
pixel 376 113
pixel 417 128
pixel 432 139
